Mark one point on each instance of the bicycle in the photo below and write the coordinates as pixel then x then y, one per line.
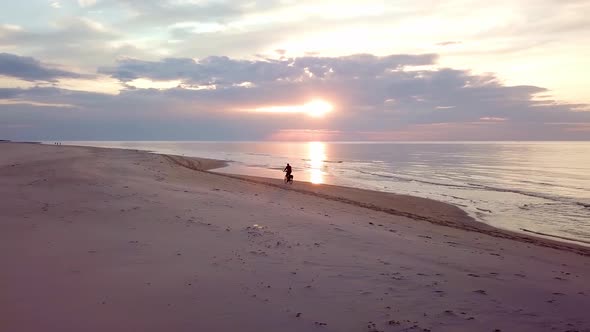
pixel 288 179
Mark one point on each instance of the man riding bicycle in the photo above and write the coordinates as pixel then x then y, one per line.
pixel 288 176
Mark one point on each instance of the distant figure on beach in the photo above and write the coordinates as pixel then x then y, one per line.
pixel 288 176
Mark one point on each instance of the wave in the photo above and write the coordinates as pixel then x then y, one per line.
pixel 547 184
pixel 405 179
pixel 259 154
pixel 327 161
pixel 478 186
pixel 555 236
pixel 549 197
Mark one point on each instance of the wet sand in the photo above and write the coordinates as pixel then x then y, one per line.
pixel 118 240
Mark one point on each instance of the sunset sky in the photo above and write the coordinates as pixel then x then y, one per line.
pixel 294 70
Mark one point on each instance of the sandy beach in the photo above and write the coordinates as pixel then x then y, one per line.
pixel 98 239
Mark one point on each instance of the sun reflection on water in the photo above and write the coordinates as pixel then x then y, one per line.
pixel 317 155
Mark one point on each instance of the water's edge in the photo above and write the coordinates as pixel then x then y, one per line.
pixel 445 191
pixel 468 224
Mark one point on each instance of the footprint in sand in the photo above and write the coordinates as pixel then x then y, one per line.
pixel 258 253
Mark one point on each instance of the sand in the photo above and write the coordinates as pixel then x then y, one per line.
pixel 118 240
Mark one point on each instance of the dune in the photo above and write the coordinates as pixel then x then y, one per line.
pixel 99 239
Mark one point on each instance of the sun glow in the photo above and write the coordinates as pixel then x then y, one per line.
pixel 316 108
pixel 317 155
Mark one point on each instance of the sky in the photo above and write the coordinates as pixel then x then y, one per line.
pixel 408 70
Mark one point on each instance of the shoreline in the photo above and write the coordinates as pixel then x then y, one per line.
pixel 98 239
pixel 462 222
pixel 513 217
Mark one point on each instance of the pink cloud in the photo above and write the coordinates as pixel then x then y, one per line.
pixel 306 135
pixel 491 118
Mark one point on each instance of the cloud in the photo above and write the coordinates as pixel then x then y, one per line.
pixel 67 30
pixel 226 71
pixel 150 13
pixel 364 86
pixel 397 96
pixel 87 3
pixel 79 41
pixel 487 118
pixel 198 63
pixel 448 43
pixel 544 31
pixel 7 93
pixel 30 69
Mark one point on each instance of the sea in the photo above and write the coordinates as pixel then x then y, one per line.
pixel 542 187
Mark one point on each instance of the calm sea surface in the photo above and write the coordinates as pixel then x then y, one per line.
pixel 540 186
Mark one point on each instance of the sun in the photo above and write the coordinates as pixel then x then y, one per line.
pixel 317 108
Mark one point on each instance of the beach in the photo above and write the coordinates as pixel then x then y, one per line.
pixel 96 239
pixel 514 186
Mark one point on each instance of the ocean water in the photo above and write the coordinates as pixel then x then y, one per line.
pixel 539 186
